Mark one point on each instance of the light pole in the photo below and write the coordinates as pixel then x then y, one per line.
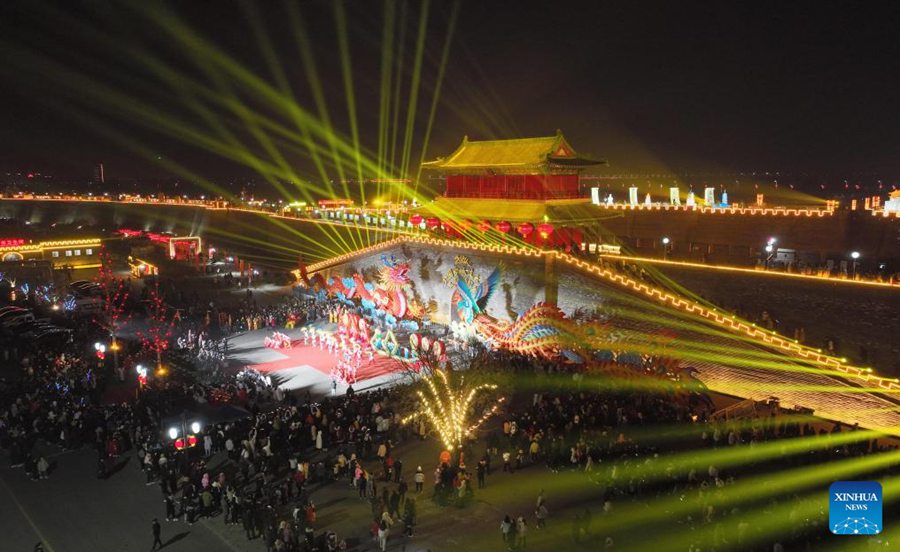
pixel 770 249
pixel 184 439
pixel 855 256
pixel 666 241
pixel 114 347
pixel 100 350
pixel 141 375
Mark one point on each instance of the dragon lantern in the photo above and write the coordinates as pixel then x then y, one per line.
pixel 386 296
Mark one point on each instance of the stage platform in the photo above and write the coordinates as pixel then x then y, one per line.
pixel 305 366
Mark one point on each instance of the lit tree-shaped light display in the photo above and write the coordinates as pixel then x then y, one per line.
pixel 447 404
pixel 159 326
pixel 114 294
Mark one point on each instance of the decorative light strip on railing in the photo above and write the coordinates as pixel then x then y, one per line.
pixel 762 211
pixel 394 242
pixel 885 214
pixel 207 204
pixel 731 323
pixel 51 244
pixel 332 261
pixel 758 272
pixel 341 224
pixel 217 206
pixel 214 205
pixel 770 339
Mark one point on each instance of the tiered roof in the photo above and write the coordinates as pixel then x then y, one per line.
pixel 518 155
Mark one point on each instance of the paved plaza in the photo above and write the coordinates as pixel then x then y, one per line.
pixel 73 511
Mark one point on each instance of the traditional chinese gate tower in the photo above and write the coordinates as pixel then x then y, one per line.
pixel 536 169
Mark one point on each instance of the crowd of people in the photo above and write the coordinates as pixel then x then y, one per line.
pixel 256 467
pixel 273 457
pixel 66 394
pixel 619 443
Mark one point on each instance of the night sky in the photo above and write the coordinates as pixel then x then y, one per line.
pixel 713 87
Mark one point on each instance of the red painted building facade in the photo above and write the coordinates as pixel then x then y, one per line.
pixel 544 168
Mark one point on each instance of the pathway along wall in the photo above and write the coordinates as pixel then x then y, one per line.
pixel 739 239
pixel 853 316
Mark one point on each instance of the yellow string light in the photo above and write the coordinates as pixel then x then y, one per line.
pixel 447 407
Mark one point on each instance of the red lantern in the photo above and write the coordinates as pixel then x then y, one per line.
pixel 431 223
pixel 179 444
pixel 526 228
pixel 545 230
pixel 484 225
pixel 416 219
pixel 192 440
pixel 504 226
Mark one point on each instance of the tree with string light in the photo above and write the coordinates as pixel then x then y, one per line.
pixel 114 295
pixel 159 325
pixel 448 403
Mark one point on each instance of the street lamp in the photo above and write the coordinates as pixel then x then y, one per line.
pixel 855 256
pixel 666 241
pixel 770 248
pixel 114 347
pixel 142 375
pixel 100 350
pixel 181 437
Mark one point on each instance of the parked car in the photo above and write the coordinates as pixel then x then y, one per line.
pixel 17 319
pixel 88 305
pixel 15 316
pixel 85 288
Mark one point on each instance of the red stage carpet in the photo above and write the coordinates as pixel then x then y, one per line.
pixel 323 361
